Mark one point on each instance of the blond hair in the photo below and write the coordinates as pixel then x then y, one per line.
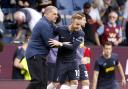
pixel 78 15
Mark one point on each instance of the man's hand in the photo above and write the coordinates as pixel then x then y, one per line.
pixel 123 82
pixel 55 43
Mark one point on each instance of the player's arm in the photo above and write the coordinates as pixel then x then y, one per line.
pixel 69 45
pixel 56 43
pixel 119 66
pixel 95 78
pixel 95 74
pixel 76 42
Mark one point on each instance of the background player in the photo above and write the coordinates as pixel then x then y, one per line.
pixel 104 70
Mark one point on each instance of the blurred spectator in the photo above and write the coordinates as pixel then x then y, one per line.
pixel 107 8
pixel 99 3
pixel 23 3
pixel 20 70
pixel 43 3
pixel 5 6
pixel 88 29
pixel 17 66
pixel 78 4
pixel 32 3
pixel 5 3
pixel 95 14
pixel 26 3
pixel 120 11
pixel 110 31
pixel 26 18
pixel 121 2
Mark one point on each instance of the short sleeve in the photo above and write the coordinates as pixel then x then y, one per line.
pixel 96 66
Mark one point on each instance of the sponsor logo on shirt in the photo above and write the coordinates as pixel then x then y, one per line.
pixel 110 69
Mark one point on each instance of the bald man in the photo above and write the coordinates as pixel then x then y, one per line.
pixel 28 17
pixel 38 48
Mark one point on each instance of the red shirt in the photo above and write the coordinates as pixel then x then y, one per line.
pixel 110 34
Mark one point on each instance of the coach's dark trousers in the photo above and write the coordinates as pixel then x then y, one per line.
pixel 38 71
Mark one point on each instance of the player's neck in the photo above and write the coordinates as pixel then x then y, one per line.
pixel 106 56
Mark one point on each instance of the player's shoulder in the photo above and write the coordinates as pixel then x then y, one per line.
pixel 62 27
pixel 100 59
pixel 114 56
pixel 81 32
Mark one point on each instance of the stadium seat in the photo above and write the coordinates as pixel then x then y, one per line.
pixel 64 5
pixel 78 4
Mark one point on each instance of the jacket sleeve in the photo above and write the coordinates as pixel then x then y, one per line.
pixel 46 33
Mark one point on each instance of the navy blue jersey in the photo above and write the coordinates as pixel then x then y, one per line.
pixel 106 68
pixel 67 53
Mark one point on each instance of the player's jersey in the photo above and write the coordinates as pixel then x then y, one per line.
pixel 67 53
pixel 106 68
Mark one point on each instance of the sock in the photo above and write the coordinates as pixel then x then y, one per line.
pixel 73 86
pixel 51 86
pixel 85 87
pixel 64 86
